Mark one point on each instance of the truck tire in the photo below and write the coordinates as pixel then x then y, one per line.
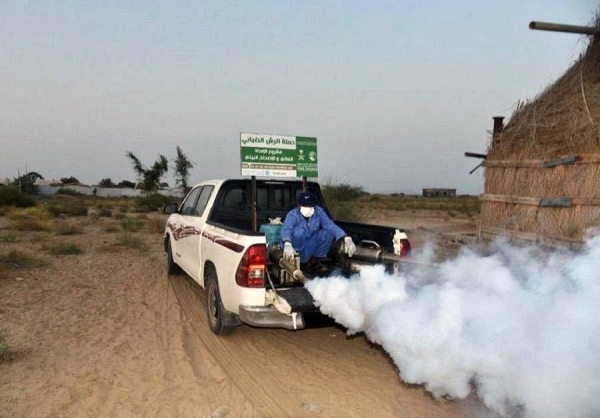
pixel 218 318
pixel 172 267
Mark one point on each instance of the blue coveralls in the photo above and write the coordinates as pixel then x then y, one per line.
pixel 310 238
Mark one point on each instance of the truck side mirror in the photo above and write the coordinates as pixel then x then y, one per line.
pixel 170 208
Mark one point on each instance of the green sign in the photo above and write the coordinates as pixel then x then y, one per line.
pixel 278 155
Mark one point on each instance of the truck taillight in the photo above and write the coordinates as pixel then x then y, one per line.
pixel 251 270
pixel 404 247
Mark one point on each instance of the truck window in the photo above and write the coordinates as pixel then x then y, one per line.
pixel 203 200
pixel 187 208
pixel 281 199
pixel 262 198
pixel 235 199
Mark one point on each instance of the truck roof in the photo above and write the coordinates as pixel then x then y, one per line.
pixel 218 182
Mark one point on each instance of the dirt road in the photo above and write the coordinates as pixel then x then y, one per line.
pixel 108 334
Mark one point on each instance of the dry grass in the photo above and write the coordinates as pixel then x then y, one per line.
pixel 467 205
pixel 4 348
pixel 156 225
pixel 132 224
pixel 107 207
pixel 19 260
pixel 8 237
pixel 31 219
pixel 131 241
pixel 32 225
pixel 63 248
pixel 111 228
pixel 35 212
pixel 67 229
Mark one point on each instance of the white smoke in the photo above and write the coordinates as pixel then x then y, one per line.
pixel 521 327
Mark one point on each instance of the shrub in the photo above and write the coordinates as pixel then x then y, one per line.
pixel 65 248
pixel 68 209
pixel 341 192
pixel 131 241
pixel 131 224
pixel 67 229
pixel 4 349
pixel 12 196
pixel 32 213
pixel 19 259
pixel 347 212
pixel 151 203
pixel 111 228
pixel 8 237
pixel 156 225
pixel 105 213
pixel 341 200
pixel 31 225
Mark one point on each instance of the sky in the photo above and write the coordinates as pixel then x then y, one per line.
pixel 394 91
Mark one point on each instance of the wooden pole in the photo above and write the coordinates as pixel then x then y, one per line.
pixel 475 155
pixel 253 208
pixel 558 27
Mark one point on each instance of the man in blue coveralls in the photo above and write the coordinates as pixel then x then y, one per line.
pixel 310 231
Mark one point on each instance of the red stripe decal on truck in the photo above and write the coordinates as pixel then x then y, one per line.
pixel 224 242
pixel 185 231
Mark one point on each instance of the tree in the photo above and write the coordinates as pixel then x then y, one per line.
pixel 126 184
pixel 182 167
pixel 26 182
pixel 106 183
pixel 149 177
pixel 69 180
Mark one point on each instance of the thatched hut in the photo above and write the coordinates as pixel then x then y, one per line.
pixel 542 179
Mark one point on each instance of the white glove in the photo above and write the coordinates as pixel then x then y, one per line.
pixel 349 246
pixel 288 251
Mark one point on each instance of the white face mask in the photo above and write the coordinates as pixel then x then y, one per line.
pixel 307 211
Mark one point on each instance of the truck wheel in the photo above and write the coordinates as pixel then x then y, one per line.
pixel 172 267
pixel 216 314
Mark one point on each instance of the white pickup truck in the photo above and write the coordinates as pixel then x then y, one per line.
pixel 214 236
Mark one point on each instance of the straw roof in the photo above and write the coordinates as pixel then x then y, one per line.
pixel 563 119
pixel 525 192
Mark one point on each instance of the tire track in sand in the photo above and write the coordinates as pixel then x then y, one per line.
pixel 242 372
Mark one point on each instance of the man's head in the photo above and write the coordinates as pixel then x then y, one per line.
pixel 307 203
pixel 307 200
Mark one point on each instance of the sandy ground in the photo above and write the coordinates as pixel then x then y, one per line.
pixel 108 334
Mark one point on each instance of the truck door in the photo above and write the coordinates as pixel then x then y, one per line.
pixel 193 216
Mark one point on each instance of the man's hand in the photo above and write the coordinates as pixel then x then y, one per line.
pixel 288 251
pixel 349 246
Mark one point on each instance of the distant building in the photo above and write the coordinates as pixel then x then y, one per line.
pixel 439 192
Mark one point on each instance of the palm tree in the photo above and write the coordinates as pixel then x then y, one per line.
pixel 150 177
pixel 182 168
